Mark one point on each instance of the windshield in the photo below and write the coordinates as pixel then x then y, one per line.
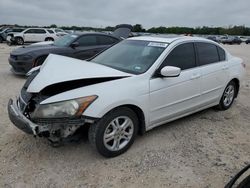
pixel 132 56
pixel 65 40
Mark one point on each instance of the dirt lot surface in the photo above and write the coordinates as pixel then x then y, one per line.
pixel 201 150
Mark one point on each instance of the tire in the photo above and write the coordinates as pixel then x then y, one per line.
pixel 39 61
pixel 245 183
pixel 19 41
pixel 49 39
pixel 228 96
pixel 108 125
pixel 1 39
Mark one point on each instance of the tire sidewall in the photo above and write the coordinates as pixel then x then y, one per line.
pixel 222 105
pixel 102 125
pixel 20 43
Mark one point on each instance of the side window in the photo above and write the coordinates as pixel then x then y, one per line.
pixel 182 56
pixel 207 53
pixel 30 31
pixel 87 40
pixel 106 40
pixel 222 53
pixel 40 31
pixel 58 30
pixel 50 31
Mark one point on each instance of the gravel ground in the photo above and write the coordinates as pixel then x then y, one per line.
pixel 201 150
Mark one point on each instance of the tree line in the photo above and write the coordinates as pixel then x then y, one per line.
pixel 231 30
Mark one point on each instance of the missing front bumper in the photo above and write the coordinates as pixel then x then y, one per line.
pixel 52 128
pixel 19 120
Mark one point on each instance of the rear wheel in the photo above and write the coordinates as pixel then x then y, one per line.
pixel 228 96
pixel 19 41
pixel 49 39
pixel 1 39
pixel 115 132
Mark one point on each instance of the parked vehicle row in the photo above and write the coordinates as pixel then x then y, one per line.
pixel 229 39
pixel 78 45
pixel 129 88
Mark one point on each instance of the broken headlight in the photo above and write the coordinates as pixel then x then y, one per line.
pixel 70 108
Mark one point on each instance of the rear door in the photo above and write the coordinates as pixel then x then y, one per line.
pixel 175 96
pixel 214 70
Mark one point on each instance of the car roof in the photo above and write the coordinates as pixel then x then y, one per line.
pixel 167 39
pixel 91 33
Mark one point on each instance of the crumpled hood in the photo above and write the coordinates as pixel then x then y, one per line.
pixel 58 69
pixel 32 48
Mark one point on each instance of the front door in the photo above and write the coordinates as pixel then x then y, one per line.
pixel 176 96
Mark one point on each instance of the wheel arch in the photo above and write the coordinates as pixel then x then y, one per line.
pixel 139 113
pixel 237 82
pixel 46 39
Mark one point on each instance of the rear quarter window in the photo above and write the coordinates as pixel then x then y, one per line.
pixel 106 40
pixel 222 53
pixel 207 53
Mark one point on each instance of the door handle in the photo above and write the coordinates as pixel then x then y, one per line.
pixel 225 67
pixel 195 76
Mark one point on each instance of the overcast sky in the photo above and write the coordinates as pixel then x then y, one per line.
pixel 149 13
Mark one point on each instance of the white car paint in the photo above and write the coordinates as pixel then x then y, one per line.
pixel 160 99
pixel 35 37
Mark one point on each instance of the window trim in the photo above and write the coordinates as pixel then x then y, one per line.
pixel 219 54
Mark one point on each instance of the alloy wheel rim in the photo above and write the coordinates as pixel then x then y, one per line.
pixel 19 41
pixel 118 133
pixel 228 95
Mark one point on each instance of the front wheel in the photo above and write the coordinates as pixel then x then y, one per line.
pixel 115 132
pixel 19 41
pixel 228 96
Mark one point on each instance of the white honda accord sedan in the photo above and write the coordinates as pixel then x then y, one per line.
pixel 130 88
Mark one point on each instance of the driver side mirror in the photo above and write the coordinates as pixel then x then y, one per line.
pixel 74 44
pixel 170 71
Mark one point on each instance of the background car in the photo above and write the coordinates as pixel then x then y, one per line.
pixel 32 35
pixel 8 31
pixel 242 38
pixel 230 40
pixel 59 32
pixel 77 45
pixel 247 41
pixel 213 38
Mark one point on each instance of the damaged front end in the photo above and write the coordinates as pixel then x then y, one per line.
pixel 27 114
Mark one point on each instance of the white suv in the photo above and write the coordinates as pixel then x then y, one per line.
pixel 33 35
pixel 130 88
